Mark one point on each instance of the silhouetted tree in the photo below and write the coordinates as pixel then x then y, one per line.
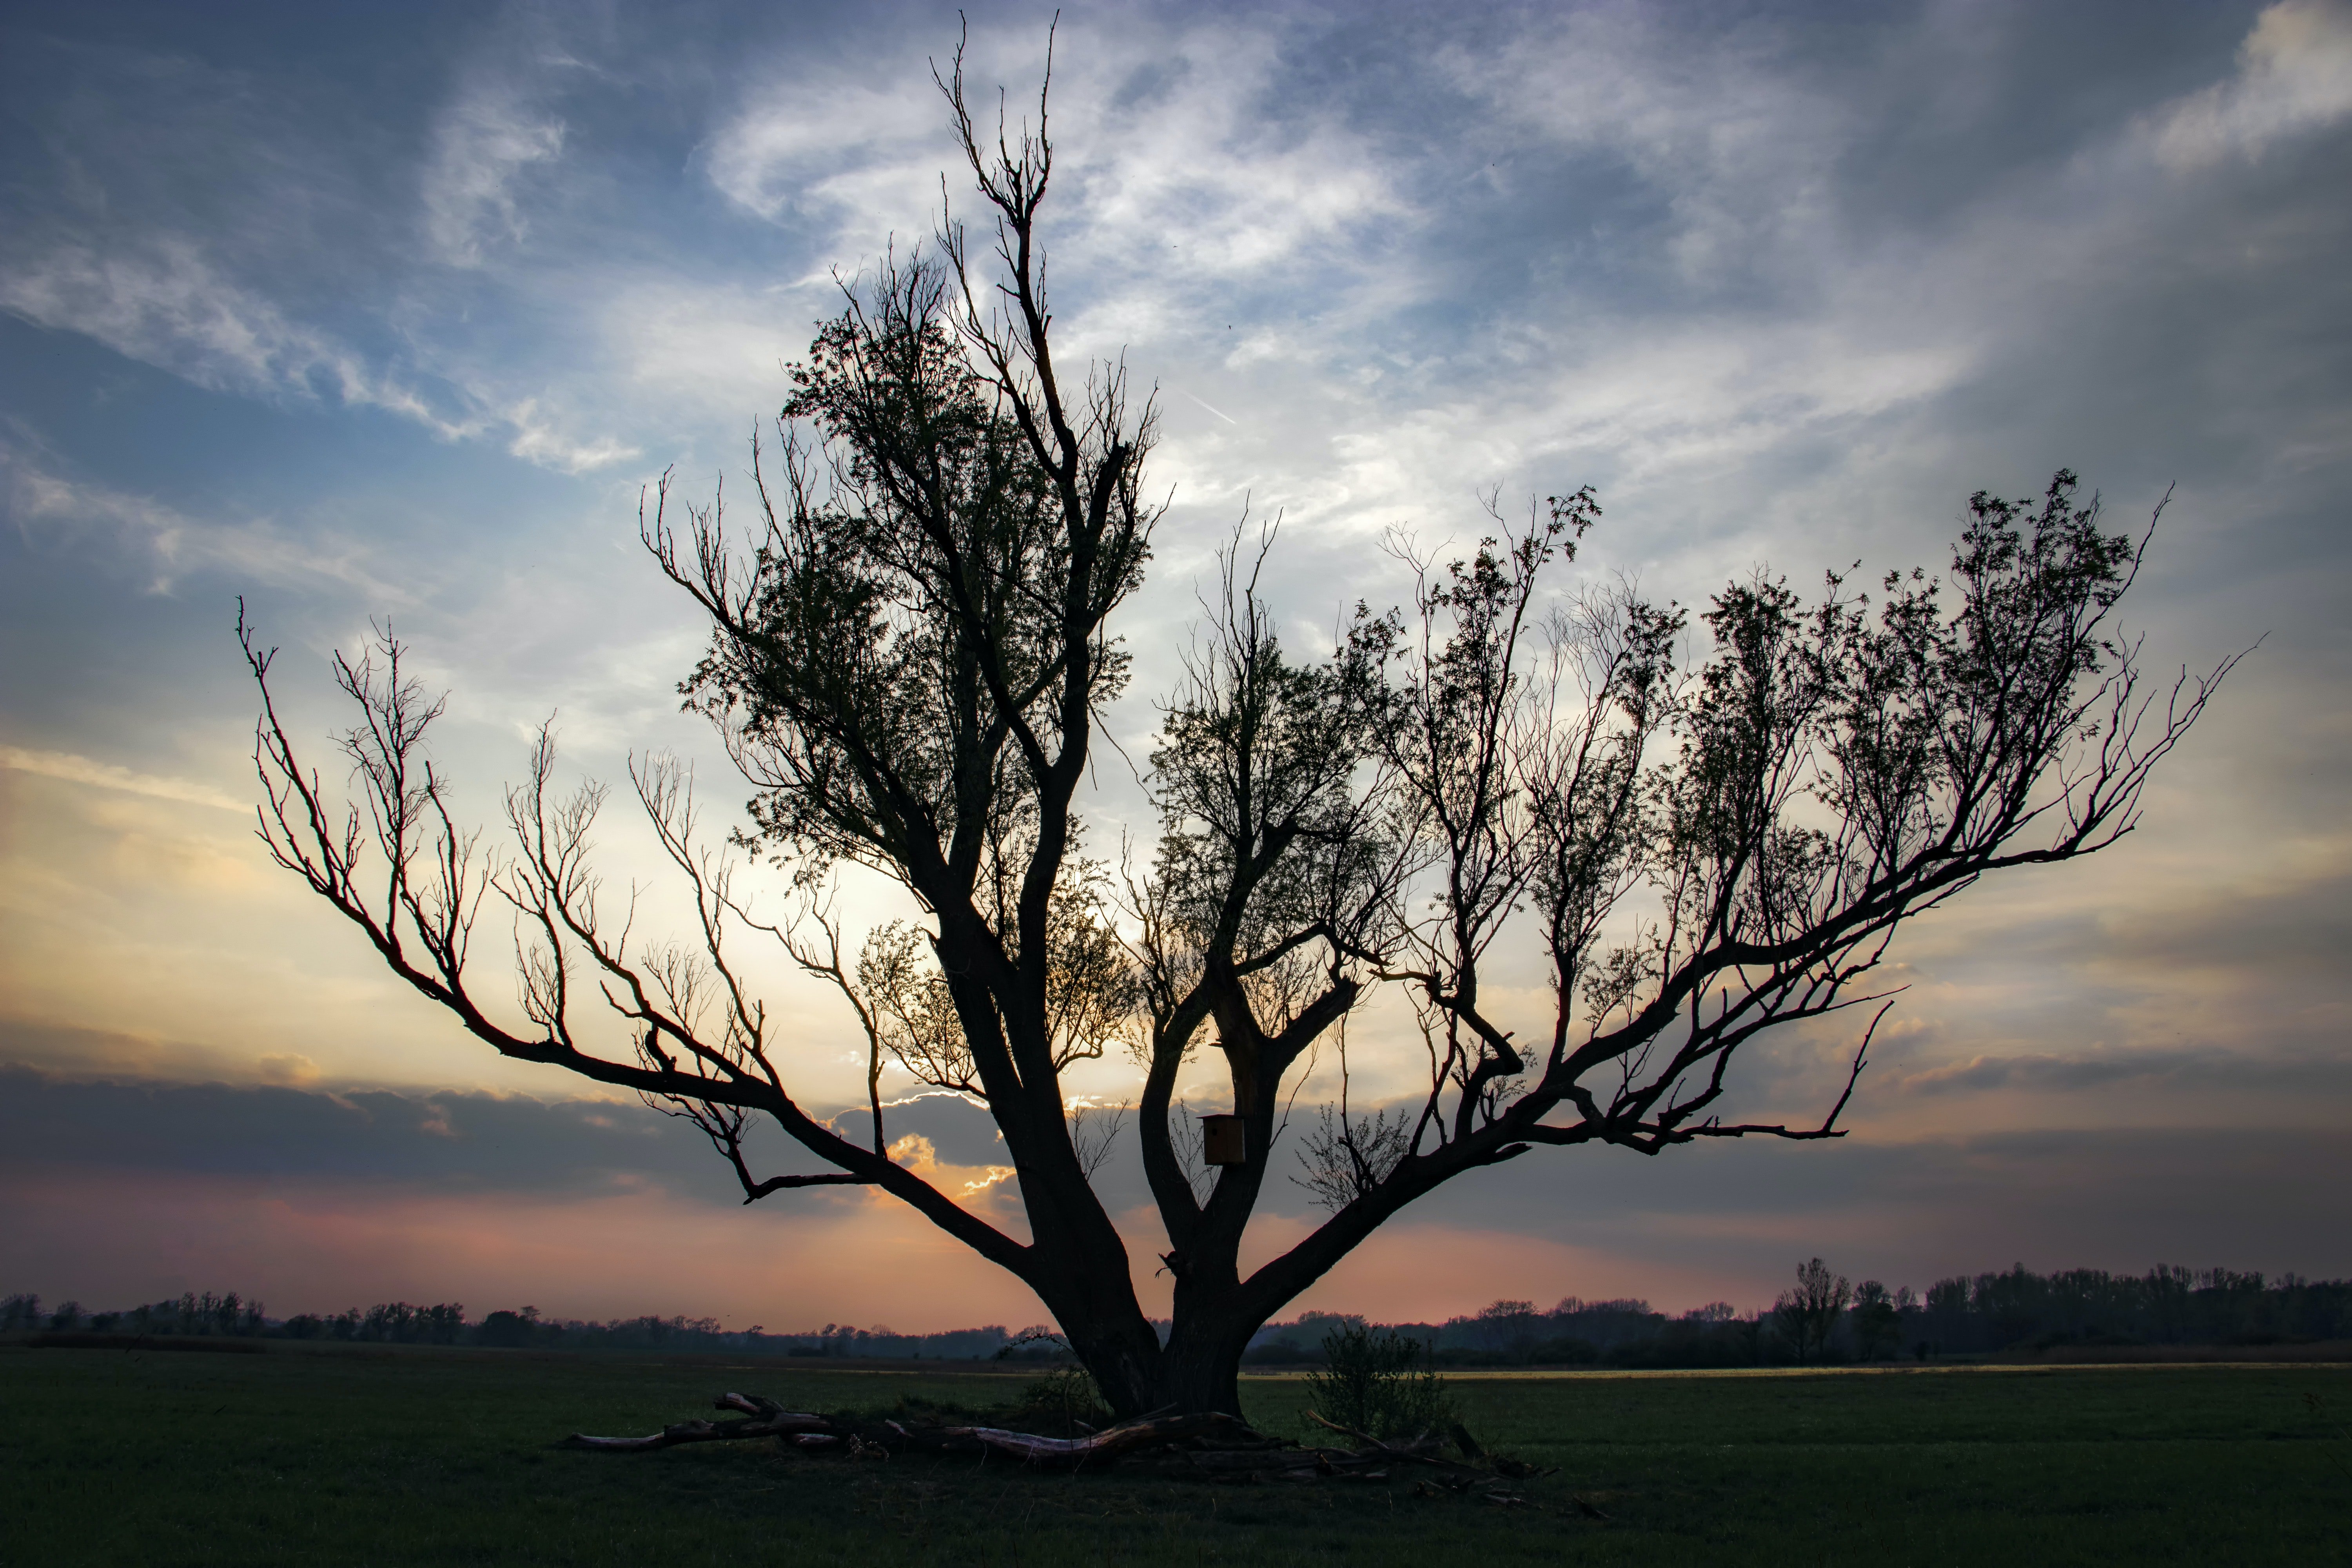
pixel 1808 1314
pixel 1877 1320
pixel 911 649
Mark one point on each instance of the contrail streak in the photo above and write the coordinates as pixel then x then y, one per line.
pixel 1218 412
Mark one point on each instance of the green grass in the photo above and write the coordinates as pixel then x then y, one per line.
pixel 444 1457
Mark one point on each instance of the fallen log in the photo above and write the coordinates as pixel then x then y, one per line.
pixel 1365 1442
pixel 775 1414
pixel 1208 1444
pixel 767 1420
pixel 671 1436
pixel 1463 1479
pixel 1103 1447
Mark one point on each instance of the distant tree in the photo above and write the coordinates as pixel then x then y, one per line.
pixel 1808 1315
pixel 505 1329
pixel 912 647
pixel 1877 1321
pixel 1508 1326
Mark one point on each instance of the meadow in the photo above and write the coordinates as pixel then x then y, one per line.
pixel 415 1454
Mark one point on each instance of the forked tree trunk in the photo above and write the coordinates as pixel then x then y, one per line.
pixel 1197 1372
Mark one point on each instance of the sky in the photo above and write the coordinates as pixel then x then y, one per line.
pixel 363 312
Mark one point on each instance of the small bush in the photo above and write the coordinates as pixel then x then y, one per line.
pixel 1379 1384
pixel 1062 1403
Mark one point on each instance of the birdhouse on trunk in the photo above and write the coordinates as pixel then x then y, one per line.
pixel 1222 1141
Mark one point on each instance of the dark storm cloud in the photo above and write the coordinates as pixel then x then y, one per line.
pixel 2327 1077
pixel 441 1141
pixel 2124 1199
pixel 1908 1211
pixel 960 1132
pixel 447 1142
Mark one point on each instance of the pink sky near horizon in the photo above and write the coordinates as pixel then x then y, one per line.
pixel 875 1264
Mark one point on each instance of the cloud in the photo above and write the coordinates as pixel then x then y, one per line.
pixel 80 1052
pixel 2190 1072
pixel 173 310
pixel 483 142
pixel 2292 921
pixel 80 770
pixel 1192 168
pixel 1914 1210
pixel 291 1129
pixel 167 544
pixel 113 1238
pixel 538 438
pixel 1737 149
pixel 244 1178
pixel 1179 159
pixel 827 143
pixel 2293 75
pixel 158 298
pixel 948 1129
pixel 438 1142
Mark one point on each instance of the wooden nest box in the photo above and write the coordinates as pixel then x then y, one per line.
pixel 1224 1141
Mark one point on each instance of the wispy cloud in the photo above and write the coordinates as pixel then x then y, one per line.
pixel 1737 149
pixel 81 770
pixel 814 142
pixel 164 544
pixel 1166 153
pixel 539 438
pixel 168 306
pixel 483 143
pixel 163 302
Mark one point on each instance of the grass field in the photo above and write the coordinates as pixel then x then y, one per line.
pixel 444 1457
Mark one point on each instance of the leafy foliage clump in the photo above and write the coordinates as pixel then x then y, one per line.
pixel 1063 1403
pixel 1379 1383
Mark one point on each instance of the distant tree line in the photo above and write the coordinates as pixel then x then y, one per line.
pixel 1828 1320
pixel 2167 1305
pixel 526 1327
pixel 1825 1320
pixel 400 1322
pixel 189 1314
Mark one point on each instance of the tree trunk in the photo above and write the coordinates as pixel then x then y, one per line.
pixel 1197 1372
pixel 1201 1377
pixel 1200 1370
